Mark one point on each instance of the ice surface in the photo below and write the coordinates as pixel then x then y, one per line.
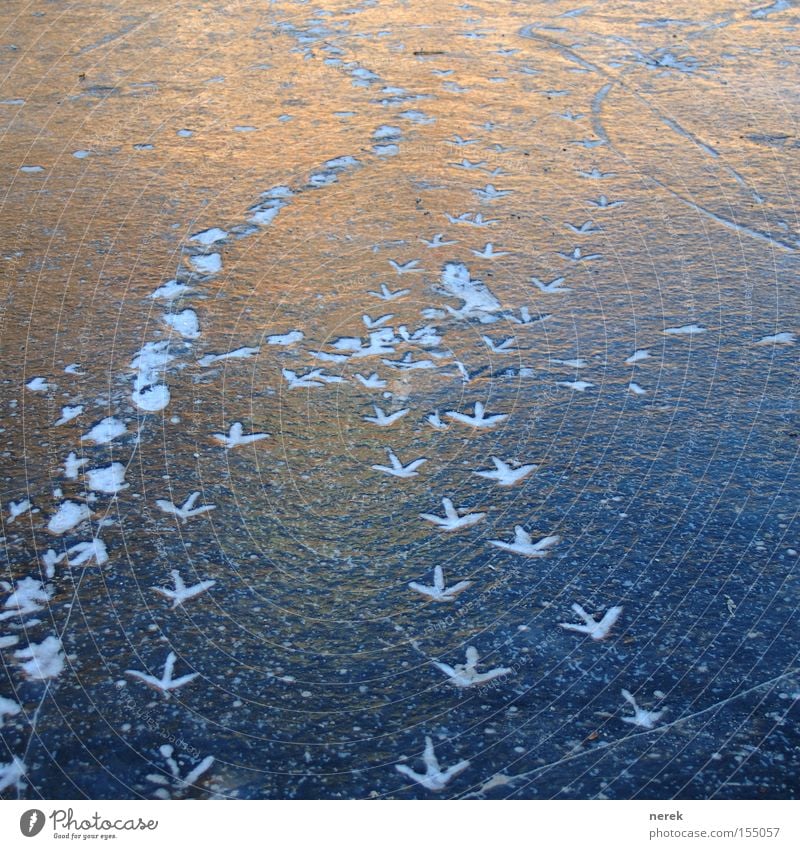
pixel 378 335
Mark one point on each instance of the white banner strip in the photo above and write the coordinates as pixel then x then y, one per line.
pixel 392 825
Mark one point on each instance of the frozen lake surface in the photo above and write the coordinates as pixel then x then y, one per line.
pixel 399 400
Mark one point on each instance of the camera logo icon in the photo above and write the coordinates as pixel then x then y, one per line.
pixel 31 822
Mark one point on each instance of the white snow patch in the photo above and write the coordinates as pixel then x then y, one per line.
pixel 342 162
pixel 185 323
pixel 642 354
pixel 235 436
pixel 30 596
pixel 43 660
pixel 457 283
pixel 12 774
pixel 8 707
pixel 264 214
pixel 152 399
pixel 109 479
pixel 239 353
pixel 50 560
pixel 171 290
pixel 150 361
pixel 69 515
pixel 286 338
pixel 18 508
pixel 38 384
pixel 686 330
pixel 206 263
pixel 72 465
pixel 386 132
pixel 210 236
pixel 83 552
pixel 777 339
pixel 69 413
pixel 576 385
pixel 105 431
